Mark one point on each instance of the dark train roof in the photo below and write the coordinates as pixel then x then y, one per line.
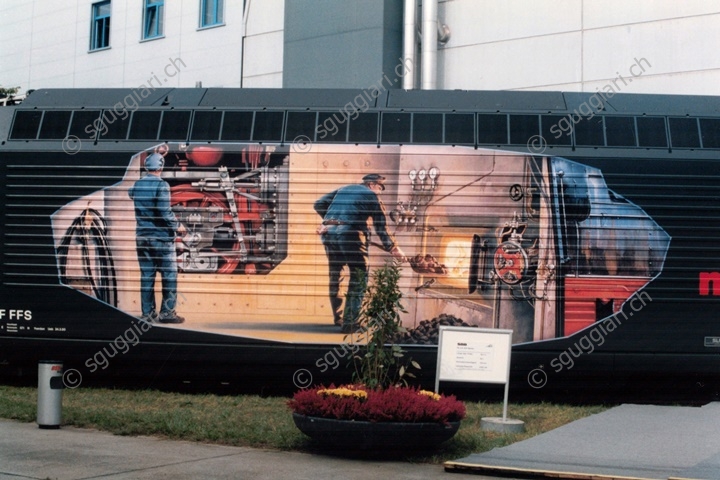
pixel 458 100
pixel 551 123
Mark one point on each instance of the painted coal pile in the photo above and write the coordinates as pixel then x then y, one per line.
pixel 428 331
pixel 427 265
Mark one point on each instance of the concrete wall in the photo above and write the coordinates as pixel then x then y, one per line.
pixel 581 45
pixel 572 45
pixel 263 66
pixel 341 43
pixel 45 44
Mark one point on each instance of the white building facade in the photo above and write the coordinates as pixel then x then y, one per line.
pixel 640 46
pixel 46 44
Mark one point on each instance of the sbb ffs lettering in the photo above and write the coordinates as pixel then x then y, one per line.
pixel 15 314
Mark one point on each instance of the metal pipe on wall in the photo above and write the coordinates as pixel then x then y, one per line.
pixel 246 15
pixel 429 44
pixel 409 43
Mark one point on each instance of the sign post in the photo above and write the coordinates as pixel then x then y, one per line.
pixel 478 355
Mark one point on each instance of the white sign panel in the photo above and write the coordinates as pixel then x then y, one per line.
pixel 479 355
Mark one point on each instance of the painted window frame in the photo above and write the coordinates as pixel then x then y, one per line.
pixel 100 25
pixel 153 19
pixel 212 13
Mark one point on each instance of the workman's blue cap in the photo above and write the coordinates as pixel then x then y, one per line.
pixel 154 162
pixel 374 178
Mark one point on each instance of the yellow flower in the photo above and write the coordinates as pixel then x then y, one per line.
pixel 343 392
pixel 427 393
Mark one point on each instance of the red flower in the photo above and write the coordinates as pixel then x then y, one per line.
pixel 394 404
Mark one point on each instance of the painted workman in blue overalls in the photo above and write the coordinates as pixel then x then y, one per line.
pixel 344 232
pixel 155 240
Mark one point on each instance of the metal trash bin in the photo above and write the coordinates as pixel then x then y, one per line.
pixel 50 389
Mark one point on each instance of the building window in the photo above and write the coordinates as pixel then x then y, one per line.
pixel 153 24
pixel 211 12
pixel 100 28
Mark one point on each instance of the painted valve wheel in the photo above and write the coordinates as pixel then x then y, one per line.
pixel 511 263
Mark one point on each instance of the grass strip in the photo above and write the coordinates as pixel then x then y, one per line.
pixel 253 421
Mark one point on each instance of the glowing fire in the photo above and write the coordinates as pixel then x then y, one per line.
pixel 456 257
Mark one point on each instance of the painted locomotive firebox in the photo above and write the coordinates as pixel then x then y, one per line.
pixel 497 246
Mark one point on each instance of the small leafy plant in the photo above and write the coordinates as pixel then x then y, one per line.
pixel 381 393
pixel 379 366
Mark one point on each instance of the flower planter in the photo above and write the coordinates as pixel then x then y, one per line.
pixel 360 435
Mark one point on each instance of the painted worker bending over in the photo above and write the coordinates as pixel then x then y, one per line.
pixel 345 233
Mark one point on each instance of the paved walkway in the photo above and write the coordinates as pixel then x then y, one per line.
pixel 628 442
pixel 27 452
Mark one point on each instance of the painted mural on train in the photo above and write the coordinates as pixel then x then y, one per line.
pixel 261 241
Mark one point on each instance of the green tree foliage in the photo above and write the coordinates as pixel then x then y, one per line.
pixel 8 92
pixel 382 363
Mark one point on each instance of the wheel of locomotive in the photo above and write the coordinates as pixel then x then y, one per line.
pixel 183 195
pixel 511 263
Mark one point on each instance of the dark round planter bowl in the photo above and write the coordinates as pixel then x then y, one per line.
pixel 341 434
